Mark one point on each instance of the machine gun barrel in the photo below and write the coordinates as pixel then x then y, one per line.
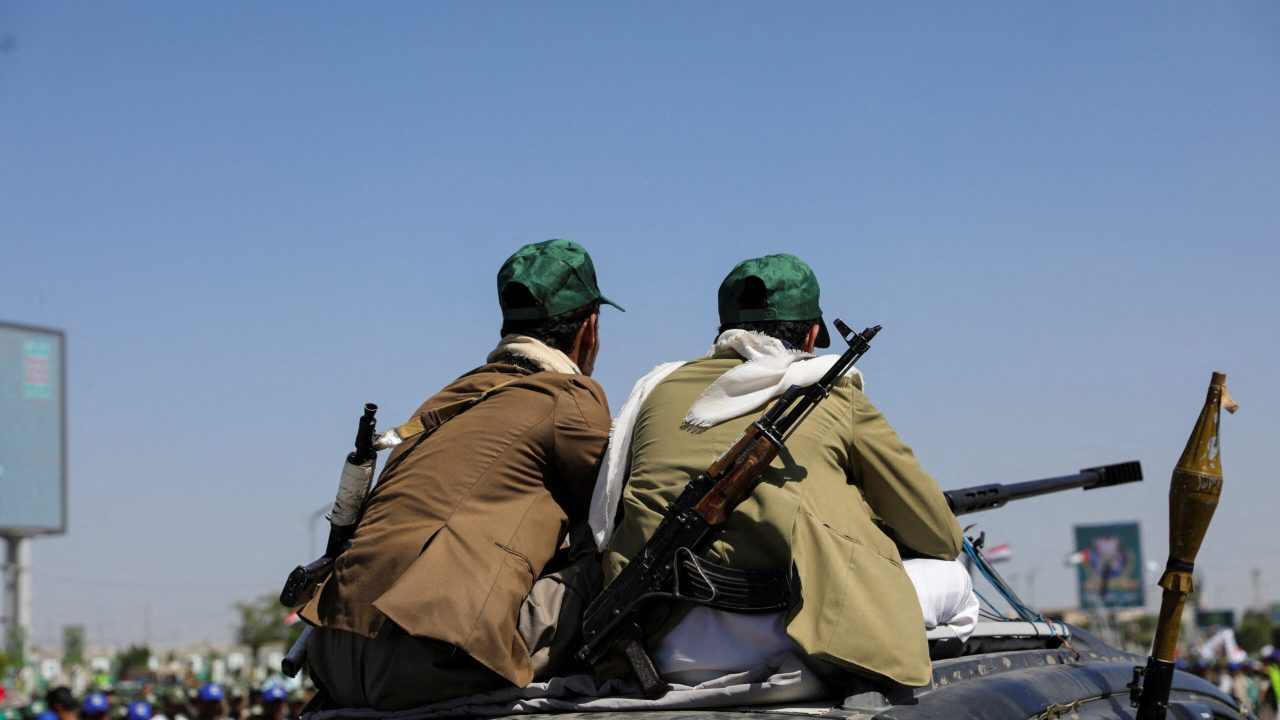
pixel 994 495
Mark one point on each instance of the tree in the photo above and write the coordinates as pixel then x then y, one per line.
pixel 134 661
pixel 73 644
pixel 261 623
pixel 1255 631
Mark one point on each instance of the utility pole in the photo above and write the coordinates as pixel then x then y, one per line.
pixel 17 595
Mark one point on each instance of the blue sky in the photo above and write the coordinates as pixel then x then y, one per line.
pixel 251 218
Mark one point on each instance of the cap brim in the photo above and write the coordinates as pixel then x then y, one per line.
pixel 824 338
pixel 607 301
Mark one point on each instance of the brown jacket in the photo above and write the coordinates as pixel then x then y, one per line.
pixel 836 505
pixel 458 528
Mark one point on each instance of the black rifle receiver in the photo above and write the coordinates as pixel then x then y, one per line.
pixel 994 495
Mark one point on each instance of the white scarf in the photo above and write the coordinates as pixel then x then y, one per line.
pixel 770 370
pixel 536 352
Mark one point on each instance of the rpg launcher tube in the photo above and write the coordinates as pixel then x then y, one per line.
pixel 1193 496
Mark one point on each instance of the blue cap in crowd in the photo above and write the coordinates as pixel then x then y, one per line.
pixel 140 711
pixel 47 715
pixel 274 693
pixel 95 703
pixel 210 692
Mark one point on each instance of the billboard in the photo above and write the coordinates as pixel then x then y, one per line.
pixel 1110 573
pixel 33 473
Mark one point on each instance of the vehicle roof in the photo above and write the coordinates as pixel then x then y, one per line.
pixel 1088 676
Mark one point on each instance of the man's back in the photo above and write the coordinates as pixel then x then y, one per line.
pixel 457 529
pixel 858 608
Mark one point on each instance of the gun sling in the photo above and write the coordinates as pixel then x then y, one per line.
pixel 433 418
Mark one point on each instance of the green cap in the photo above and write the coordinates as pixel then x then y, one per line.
pixel 773 287
pixel 558 275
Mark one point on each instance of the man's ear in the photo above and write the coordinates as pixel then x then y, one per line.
pixel 586 344
pixel 811 340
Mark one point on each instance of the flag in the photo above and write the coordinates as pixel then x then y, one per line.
pixel 292 618
pixel 998 553
pixel 1079 557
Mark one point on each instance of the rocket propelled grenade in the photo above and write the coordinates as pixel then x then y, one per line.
pixel 1193 496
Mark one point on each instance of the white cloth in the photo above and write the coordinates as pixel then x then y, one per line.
pixel 536 352
pixel 709 643
pixel 617 456
pixel 945 591
pixel 770 370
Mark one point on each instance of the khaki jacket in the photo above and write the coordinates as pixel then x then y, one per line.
pixel 458 528
pixel 835 504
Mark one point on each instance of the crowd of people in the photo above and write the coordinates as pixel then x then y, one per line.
pixel 1253 682
pixel 207 701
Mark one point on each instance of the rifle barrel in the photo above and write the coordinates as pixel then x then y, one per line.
pixel 294 660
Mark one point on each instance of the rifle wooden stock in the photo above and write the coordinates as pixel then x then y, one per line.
pixel 738 473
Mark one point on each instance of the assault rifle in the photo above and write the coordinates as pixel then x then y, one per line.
pixel 703 507
pixel 353 488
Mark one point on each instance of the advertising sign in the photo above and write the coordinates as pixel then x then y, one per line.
pixel 33 478
pixel 1111 573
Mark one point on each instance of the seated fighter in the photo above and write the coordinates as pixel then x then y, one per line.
pixel 834 515
pixel 423 604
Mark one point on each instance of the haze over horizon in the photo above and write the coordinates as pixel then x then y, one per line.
pixel 252 218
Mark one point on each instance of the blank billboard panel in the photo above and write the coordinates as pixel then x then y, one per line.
pixel 33 480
